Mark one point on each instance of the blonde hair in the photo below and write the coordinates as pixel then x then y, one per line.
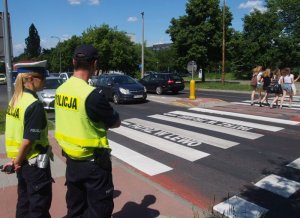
pixel 19 86
pixel 267 73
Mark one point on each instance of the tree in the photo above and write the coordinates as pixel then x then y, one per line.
pixel 116 51
pixel 166 60
pixel 66 50
pixel 198 34
pixel 33 47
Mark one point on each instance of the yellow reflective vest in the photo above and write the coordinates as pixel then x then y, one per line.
pixel 14 131
pixel 75 132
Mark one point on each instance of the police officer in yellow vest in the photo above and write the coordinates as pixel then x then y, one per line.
pixel 83 115
pixel 26 139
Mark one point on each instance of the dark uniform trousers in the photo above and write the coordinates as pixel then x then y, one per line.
pixel 34 192
pixel 90 188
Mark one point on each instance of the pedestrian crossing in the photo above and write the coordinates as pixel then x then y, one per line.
pixel 239 207
pixel 184 133
pixel 295 104
pixel 194 129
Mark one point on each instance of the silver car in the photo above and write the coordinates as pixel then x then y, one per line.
pixel 47 95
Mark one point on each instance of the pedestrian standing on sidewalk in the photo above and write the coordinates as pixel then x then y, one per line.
pixel 83 115
pixel 26 138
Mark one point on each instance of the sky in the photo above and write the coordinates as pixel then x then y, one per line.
pixel 65 18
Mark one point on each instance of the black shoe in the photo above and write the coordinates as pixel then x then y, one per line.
pixel 260 104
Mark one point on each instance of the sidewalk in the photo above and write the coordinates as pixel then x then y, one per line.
pixel 135 195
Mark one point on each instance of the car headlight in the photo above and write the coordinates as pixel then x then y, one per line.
pixel 145 90
pixel 124 91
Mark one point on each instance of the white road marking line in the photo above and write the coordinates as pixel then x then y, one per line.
pixel 248 116
pixel 232 121
pixel 214 141
pixel 229 131
pixel 238 207
pixel 284 104
pixel 241 103
pixel 295 164
pixel 181 151
pixel 279 185
pixel 137 160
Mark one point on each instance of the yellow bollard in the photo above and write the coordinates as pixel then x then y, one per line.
pixel 192 90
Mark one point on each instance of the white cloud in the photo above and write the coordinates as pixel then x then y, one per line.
pixel 75 2
pixel 90 2
pixel 132 19
pixel 253 4
pixel 94 2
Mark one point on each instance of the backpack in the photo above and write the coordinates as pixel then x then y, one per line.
pixel 253 81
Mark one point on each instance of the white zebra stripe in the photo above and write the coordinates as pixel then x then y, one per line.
pixel 238 207
pixel 229 131
pixel 210 140
pixel 242 103
pixel 137 160
pixel 181 151
pixel 279 185
pixel 295 164
pixel 232 121
pixel 248 116
pixel 284 104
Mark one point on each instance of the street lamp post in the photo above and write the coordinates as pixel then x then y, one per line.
pixel 7 50
pixel 142 68
pixel 56 37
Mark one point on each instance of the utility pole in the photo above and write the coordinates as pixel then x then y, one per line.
pixel 142 68
pixel 7 50
pixel 56 37
pixel 223 46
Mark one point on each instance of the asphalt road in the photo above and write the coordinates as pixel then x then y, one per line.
pixel 231 167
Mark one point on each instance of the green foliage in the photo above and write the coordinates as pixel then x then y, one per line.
pixel 166 60
pixel 198 34
pixel 226 86
pixel 116 51
pixel 33 47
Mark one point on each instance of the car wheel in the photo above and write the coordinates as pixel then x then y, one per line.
pixel 116 99
pixel 159 90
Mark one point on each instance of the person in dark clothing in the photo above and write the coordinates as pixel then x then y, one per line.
pixel 83 115
pixel 267 81
pixel 26 139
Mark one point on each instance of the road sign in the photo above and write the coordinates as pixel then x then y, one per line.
pixel 192 66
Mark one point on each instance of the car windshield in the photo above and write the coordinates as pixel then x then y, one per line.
pixel 123 80
pixel 53 83
pixel 2 76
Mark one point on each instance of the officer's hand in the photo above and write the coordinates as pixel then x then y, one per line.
pixel 8 168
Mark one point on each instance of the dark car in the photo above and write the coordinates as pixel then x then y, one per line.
pixel 121 88
pixel 163 82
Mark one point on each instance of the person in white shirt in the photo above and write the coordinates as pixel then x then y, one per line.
pixel 260 83
pixel 286 81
